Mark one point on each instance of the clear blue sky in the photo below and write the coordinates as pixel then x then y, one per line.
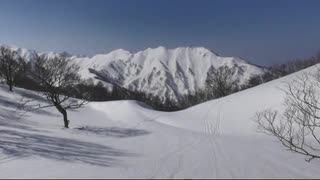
pixel 261 31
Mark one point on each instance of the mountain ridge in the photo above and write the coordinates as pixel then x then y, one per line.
pixel 167 73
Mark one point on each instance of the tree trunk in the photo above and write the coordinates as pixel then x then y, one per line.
pixel 65 119
pixel 10 83
pixel 65 115
pixel 10 86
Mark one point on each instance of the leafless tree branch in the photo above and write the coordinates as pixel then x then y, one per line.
pixel 298 127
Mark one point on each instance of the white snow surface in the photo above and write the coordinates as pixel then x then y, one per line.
pixel 125 139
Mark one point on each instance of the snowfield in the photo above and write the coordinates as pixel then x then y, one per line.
pixel 126 139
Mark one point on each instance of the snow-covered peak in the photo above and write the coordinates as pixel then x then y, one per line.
pixel 162 49
pixel 51 54
pixel 168 73
pixel 23 52
pixel 120 51
pixel 29 54
pixel 113 55
pixel 26 54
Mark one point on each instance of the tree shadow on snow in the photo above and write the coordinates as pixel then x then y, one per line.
pixel 23 140
pixel 12 119
pixel 31 95
pixel 114 131
pixel 12 116
pixel 20 144
pixel 5 102
pixel 25 93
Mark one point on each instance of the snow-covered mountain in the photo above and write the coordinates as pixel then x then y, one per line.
pixel 160 71
pixel 30 54
pixel 168 73
pixel 26 54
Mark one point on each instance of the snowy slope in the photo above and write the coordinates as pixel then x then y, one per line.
pixel 162 72
pixel 122 139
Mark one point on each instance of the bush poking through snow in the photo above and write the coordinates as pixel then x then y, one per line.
pixel 298 127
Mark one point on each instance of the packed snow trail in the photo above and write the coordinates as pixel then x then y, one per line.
pixel 123 139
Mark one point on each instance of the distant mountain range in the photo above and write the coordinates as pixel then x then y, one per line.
pixel 168 73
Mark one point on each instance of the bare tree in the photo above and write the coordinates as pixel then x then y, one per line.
pixel 298 127
pixel 10 65
pixel 222 81
pixel 58 80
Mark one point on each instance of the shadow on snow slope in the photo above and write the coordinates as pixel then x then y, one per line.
pixel 116 132
pixel 20 138
pixel 20 144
